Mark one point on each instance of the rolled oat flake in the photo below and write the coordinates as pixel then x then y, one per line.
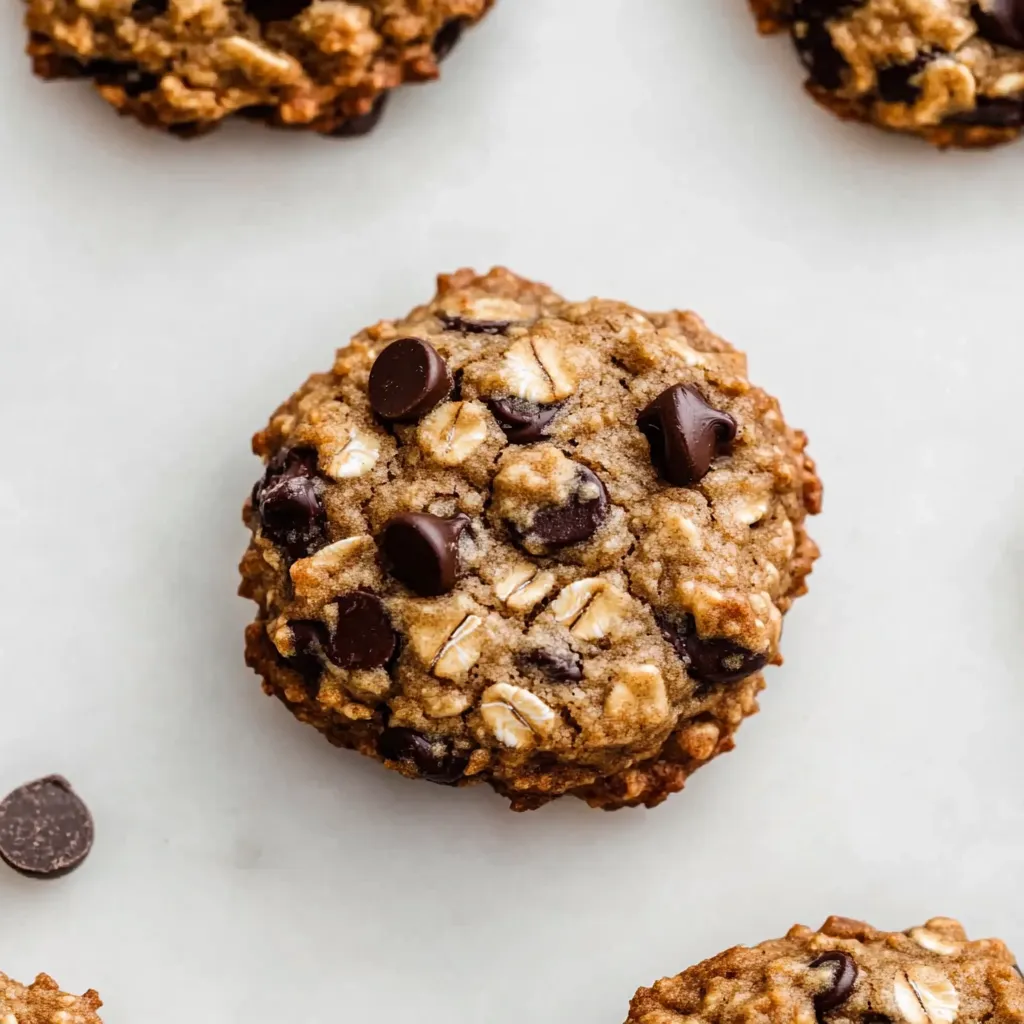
pixel 45 829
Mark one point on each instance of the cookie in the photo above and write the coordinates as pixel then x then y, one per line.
pixel 845 973
pixel 540 544
pixel 42 1002
pixel 185 65
pixel 950 71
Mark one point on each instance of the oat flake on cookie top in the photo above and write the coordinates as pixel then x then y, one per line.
pixel 541 544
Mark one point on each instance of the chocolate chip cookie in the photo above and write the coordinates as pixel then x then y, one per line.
pixel 950 71
pixel 42 1002
pixel 541 544
pixel 185 65
pixel 846 973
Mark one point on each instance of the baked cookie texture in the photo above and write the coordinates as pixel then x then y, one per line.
pixel 541 544
pixel 845 973
pixel 42 1002
pixel 949 71
pixel 185 65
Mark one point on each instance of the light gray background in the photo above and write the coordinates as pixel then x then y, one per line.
pixel 159 298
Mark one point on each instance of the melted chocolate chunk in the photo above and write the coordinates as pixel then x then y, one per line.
pixel 422 550
pixel 991 112
pixel 824 63
pixel 559 526
pixel 446 39
pixel 710 661
pixel 362 124
pixel 435 761
pixel 470 326
pixel 560 666
pixel 288 502
pixel 1001 22
pixel 894 85
pixel 523 422
pixel 844 977
pixel 407 380
pixel 364 637
pixel 685 434
pixel 265 11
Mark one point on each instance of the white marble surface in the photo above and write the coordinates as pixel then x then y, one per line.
pixel 159 298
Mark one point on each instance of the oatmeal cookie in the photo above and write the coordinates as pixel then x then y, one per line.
pixel 950 71
pixel 42 1002
pixel 185 65
pixel 537 543
pixel 846 973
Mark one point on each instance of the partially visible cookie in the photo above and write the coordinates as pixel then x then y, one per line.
pixel 949 71
pixel 42 1002
pixel 185 65
pixel 845 973
pixel 541 544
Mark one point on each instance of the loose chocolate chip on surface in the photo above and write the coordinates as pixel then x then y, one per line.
pixel 709 660
pixel 559 526
pixel 361 124
pixel 364 637
pixel 471 326
pixel 434 761
pixel 407 380
pixel 422 550
pixel 288 502
pixel 561 666
pixel 894 85
pixel 685 434
pixel 843 979
pixel 275 10
pixel 449 34
pixel 818 54
pixel 45 829
pixel 1001 21
pixel 523 422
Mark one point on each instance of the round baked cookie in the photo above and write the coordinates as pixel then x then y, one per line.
pixel 185 65
pixel 951 71
pixel 845 973
pixel 42 1002
pixel 540 544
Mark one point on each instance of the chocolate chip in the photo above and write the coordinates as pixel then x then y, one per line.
pixel 45 829
pixel 561 525
pixel 147 10
pixel 407 380
pixel 130 77
pixel 1001 21
pixel 991 112
pixel 450 33
pixel 818 54
pixel 308 640
pixel 275 10
pixel 685 434
pixel 434 761
pixel 471 326
pixel 561 666
pixel 288 502
pixel 422 550
pixel 806 9
pixel 364 637
pixel 361 124
pixel 1016 967
pixel 894 85
pixel 710 661
pixel 843 979
pixel 523 422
